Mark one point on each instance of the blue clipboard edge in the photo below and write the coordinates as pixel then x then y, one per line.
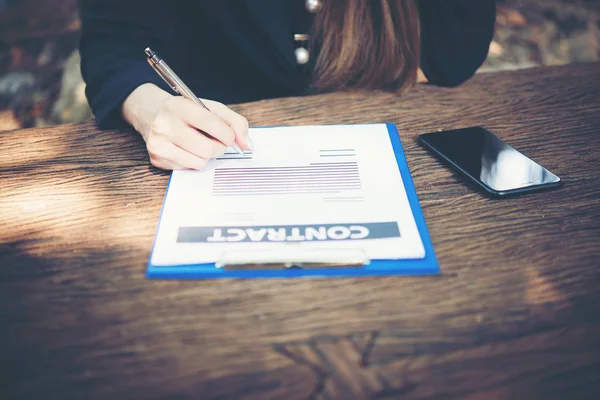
pixel 424 266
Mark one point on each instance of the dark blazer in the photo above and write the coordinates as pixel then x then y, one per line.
pixel 236 51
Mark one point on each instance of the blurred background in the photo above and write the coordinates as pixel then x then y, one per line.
pixel 41 85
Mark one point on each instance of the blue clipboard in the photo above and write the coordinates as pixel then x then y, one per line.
pixel 422 266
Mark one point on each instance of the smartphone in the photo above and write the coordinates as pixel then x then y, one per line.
pixel 489 162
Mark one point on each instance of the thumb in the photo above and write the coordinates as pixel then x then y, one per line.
pixel 238 123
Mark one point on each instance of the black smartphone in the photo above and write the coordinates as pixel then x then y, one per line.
pixel 489 162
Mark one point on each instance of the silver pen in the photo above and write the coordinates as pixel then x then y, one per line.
pixel 175 83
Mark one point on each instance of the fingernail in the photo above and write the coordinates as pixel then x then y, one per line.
pixel 249 143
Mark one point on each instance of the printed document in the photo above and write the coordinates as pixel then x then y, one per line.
pixel 304 188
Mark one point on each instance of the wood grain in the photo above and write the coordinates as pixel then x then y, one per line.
pixel 513 315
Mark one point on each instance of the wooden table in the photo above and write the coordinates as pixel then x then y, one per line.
pixel 515 314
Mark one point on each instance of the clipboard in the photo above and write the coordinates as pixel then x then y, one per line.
pixel 286 264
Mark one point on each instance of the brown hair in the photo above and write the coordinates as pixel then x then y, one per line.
pixel 366 44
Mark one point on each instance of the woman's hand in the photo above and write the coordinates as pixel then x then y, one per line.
pixel 170 127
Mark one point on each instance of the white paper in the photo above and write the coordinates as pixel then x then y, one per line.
pixel 328 186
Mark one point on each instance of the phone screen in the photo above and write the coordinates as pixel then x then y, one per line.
pixel 488 160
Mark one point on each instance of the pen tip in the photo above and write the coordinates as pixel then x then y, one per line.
pixel 149 52
pixel 238 150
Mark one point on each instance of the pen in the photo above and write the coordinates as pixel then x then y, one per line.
pixel 175 83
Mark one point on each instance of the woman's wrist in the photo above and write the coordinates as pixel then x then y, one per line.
pixel 141 106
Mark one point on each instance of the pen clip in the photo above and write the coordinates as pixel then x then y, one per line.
pixel 154 60
pixel 163 76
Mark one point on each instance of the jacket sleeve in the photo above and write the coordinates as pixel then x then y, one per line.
pixel 113 63
pixel 455 38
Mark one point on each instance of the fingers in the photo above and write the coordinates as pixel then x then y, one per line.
pixel 185 135
pixel 167 155
pixel 197 143
pixel 238 123
pixel 202 119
